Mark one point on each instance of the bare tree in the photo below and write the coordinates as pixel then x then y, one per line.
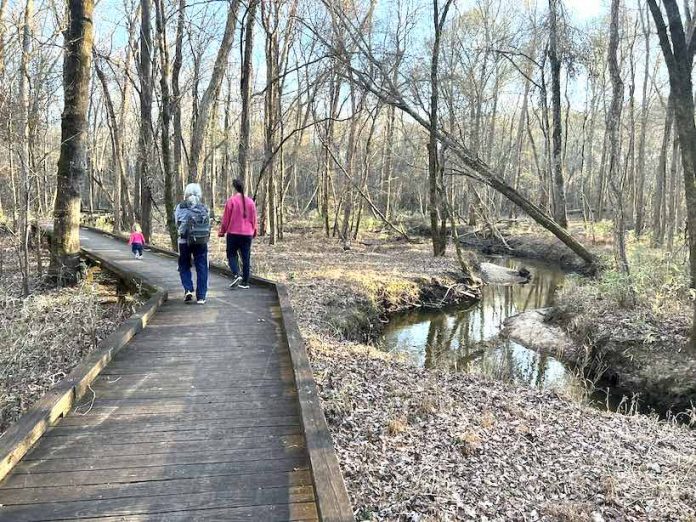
pixel 72 163
pixel 678 51
pixel 146 139
pixel 211 93
pixel 616 176
pixel 559 195
pixel 245 90
pixel 170 177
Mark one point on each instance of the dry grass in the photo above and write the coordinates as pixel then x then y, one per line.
pixel 48 333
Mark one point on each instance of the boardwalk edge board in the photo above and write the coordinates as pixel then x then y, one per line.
pixel 59 400
pixel 332 497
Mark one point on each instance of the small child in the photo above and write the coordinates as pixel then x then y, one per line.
pixel 136 241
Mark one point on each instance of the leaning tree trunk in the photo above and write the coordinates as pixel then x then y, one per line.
pixel 72 162
pixel 117 159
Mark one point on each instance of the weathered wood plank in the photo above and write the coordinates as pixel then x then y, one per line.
pixel 116 476
pixel 227 424
pixel 104 462
pixel 238 497
pixel 305 512
pixel 203 434
pixel 59 450
pixel 333 502
pixel 151 488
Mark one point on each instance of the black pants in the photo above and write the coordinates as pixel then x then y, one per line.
pixel 239 245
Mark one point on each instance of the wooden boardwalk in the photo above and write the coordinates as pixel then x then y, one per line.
pixel 197 418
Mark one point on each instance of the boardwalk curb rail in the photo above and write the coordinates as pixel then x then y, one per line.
pixel 61 398
pixel 333 502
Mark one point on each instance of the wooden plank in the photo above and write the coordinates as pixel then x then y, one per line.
pixel 231 419
pixel 232 498
pixel 61 450
pixel 132 410
pixel 101 411
pixel 22 435
pixel 255 421
pixel 103 462
pixel 155 487
pixel 199 434
pixel 142 474
pixel 192 394
pixel 333 502
pixel 306 511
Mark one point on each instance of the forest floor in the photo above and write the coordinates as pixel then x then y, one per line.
pixel 48 333
pixel 429 445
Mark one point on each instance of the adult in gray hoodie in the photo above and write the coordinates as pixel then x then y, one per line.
pixel 185 211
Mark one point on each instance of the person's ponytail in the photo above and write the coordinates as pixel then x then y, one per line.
pixel 238 185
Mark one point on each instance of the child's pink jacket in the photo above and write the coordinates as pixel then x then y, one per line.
pixel 137 238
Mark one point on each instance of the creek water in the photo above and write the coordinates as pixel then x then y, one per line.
pixel 467 339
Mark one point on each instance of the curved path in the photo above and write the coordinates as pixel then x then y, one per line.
pixel 197 418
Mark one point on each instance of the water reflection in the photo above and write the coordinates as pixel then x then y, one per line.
pixel 467 339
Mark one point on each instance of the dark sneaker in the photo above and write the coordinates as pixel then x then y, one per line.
pixel 200 301
pixel 245 286
pixel 235 281
pixel 188 297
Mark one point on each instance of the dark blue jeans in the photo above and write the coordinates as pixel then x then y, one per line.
pixel 137 248
pixel 199 253
pixel 239 246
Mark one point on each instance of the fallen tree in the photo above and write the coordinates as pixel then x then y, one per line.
pixel 375 77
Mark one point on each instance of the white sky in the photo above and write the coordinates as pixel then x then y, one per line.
pixel 585 9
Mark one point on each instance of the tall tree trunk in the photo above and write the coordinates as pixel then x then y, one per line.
pixel 439 237
pixel 616 178
pixel 672 198
pixel 679 54
pixel 211 93
pixel 245 91
pixel 658 218
pixel 24 150
pixel 170 176
pixel 119 171
pixel 145 140
pixel 176 95
pixel 72 161
pixel 640 182
pixel 559 196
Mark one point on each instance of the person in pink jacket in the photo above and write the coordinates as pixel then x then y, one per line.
pixel 136 241
pixel 239 225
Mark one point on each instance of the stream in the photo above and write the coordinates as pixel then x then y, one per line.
pixel 466 339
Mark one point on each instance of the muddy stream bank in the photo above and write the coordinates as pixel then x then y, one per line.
pixel 506 336
pixel 468 338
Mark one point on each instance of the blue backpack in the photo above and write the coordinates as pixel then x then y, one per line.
pixel 196 228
